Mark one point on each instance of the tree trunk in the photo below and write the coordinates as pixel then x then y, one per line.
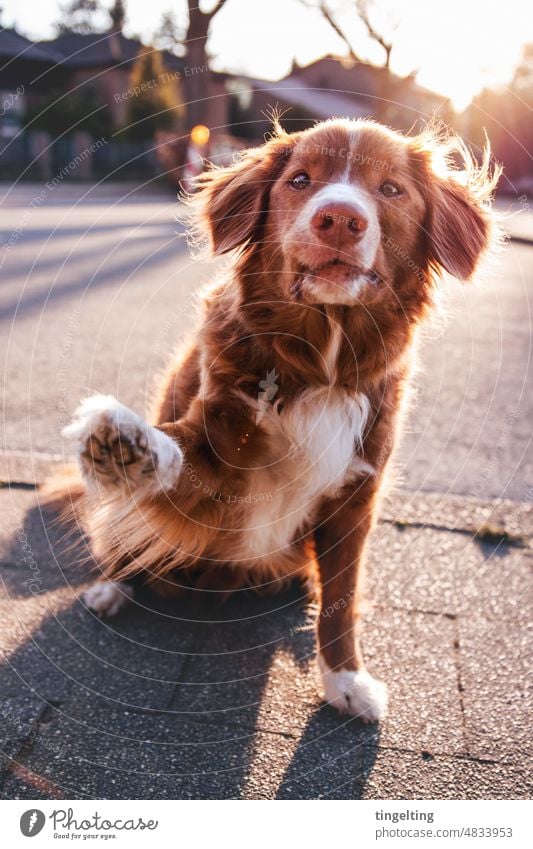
pixel 197 75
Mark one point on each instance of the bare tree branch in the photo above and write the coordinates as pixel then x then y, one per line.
pixel 328 17
pixel 216 9
pixel 362 10
pixel 334 25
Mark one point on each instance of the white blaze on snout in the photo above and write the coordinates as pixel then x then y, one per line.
pixel 365 249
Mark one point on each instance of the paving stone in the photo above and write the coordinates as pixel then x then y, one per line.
pixel 412 569
pixel 414 654
pixel 55 645
pixel 25 467
pixel 127 754
pixel 70 651
pixel 19 720
pixel 429 570
pixel 459 512
pixel 496 675
pixel 255 667
pixel 409 775
pixel 37 554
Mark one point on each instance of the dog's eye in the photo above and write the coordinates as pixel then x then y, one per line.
pixel 390 190
pixel 300 180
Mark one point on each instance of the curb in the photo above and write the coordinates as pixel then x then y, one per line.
pixel 521 240
pixel 509 521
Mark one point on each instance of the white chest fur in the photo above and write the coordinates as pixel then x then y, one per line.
pixel 315 439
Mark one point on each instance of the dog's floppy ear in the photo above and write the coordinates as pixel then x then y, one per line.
pixel 229 203
pixel 460 224
pixel 459 230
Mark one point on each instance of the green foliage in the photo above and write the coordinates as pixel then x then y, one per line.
pixel 78 16
pixel 170 34
pixel 155 102
pixel 58 114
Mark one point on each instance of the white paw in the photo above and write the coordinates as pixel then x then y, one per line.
pixel 108 597
pixel 116 447
pixel 356 693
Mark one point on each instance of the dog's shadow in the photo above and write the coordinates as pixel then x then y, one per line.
pixel 169 699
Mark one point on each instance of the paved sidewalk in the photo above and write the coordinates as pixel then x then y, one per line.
pixel 518 217
pixel 174 700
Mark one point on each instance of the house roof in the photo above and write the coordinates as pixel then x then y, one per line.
pixel 357 78
pixel 331 87
pixel 323 104
pixel 16 46
pixel 76 50
pixel 97 49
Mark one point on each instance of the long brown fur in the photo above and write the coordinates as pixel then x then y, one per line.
pixel 255 321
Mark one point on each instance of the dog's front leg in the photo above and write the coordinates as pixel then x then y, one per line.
pixel 340 541
pixel 121 457
pixel 128 465
pixel 121 454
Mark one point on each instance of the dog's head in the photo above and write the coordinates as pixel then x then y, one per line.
pixel 351 211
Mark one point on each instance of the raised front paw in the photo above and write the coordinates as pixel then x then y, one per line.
pixel 118 449
pixel 355 693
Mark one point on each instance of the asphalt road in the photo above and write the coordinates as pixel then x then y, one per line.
pixel 97 287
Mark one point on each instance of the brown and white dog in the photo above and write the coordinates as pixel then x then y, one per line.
pixel 273 430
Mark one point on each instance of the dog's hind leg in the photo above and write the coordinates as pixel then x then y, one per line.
pixel 106 598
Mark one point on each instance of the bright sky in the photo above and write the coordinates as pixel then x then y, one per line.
pixel 458 46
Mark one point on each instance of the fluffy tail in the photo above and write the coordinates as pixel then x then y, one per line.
pixel 64 493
